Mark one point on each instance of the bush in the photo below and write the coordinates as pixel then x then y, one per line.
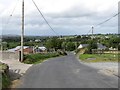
pixel 77 50
pixel 5 81
pixel 61 52
pixel 70 46
pixel 5 78
pixel 92 45
pixel 33 58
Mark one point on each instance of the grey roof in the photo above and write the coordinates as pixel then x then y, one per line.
pixel 84 45
pixel 100 46
pixel 17 48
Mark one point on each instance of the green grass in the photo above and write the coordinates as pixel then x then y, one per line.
pixel 5 81
pixel 3 66
pixel 4 78
pixel 38 58
pixel 99 57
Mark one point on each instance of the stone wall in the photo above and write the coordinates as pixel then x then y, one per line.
pixel 4 55
pixel 95 51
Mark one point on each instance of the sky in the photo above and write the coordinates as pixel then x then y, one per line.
pixel 66 17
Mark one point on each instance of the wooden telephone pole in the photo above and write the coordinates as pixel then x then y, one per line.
pixel 92 31
pixel 22 33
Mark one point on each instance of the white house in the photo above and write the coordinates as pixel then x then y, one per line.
pixel 37 40
pixel 99 46
pixel 40 49
pixel 82 46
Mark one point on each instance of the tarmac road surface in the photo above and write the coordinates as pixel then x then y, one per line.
pixel 66 72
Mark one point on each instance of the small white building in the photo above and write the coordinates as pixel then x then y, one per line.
pixel 111 48
pixel 99 46
pixel 40 49
pixel 82 46
pixel 37 40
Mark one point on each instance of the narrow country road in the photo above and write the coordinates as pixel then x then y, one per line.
pixel 66 72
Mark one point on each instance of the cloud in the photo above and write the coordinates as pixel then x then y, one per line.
pixel 65 16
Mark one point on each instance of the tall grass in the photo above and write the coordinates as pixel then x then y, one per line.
pixel 5 81
pixel 38 58
pixel 99 57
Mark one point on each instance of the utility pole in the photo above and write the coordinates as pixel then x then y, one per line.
pixel 92 31
pixel 22 33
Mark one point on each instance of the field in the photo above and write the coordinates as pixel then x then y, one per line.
pixel 99 57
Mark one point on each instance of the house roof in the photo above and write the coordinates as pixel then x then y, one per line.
pixel 83 45
pixel 100 46
pixel 17 48
pixel 42 48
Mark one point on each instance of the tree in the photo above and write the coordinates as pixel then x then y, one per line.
pixel 119 47
pixel 70 46
pixel 54 43
pixel 64 45
pixel 92 45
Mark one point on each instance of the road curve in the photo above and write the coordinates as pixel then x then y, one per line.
pixel 66 72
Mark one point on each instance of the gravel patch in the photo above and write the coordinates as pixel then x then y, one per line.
pixel 108 68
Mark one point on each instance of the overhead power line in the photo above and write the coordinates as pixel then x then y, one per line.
pixel 13 11
pixel 44 18
pixel 108 19
pixel 14 8
pixel 89 31
pixel 10 16
pixel 105 21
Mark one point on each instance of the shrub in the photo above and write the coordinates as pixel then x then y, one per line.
pixel 33 58
pixel 62 52
pixel 5 81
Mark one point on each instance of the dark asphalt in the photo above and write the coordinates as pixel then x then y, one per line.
pixel 66 72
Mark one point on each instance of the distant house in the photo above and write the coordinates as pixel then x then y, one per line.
pixel 101 46
pixel 111 48
pixel 82 46
pixel 107 37
pixel 26 49
pixel 37 40
pixel 40 49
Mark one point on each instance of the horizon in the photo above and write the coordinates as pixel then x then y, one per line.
pixel 58 36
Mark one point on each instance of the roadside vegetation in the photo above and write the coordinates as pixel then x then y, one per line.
pixel 68 43
pixel 40 57
pixel 99 57
pixel 5 81
pixel 4 78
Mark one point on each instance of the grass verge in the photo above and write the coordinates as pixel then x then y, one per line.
pixel 5 81
pixel 4 77
pixel 38 58
pixel 99 57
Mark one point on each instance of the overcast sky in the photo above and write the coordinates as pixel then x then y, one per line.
pixel 67 17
